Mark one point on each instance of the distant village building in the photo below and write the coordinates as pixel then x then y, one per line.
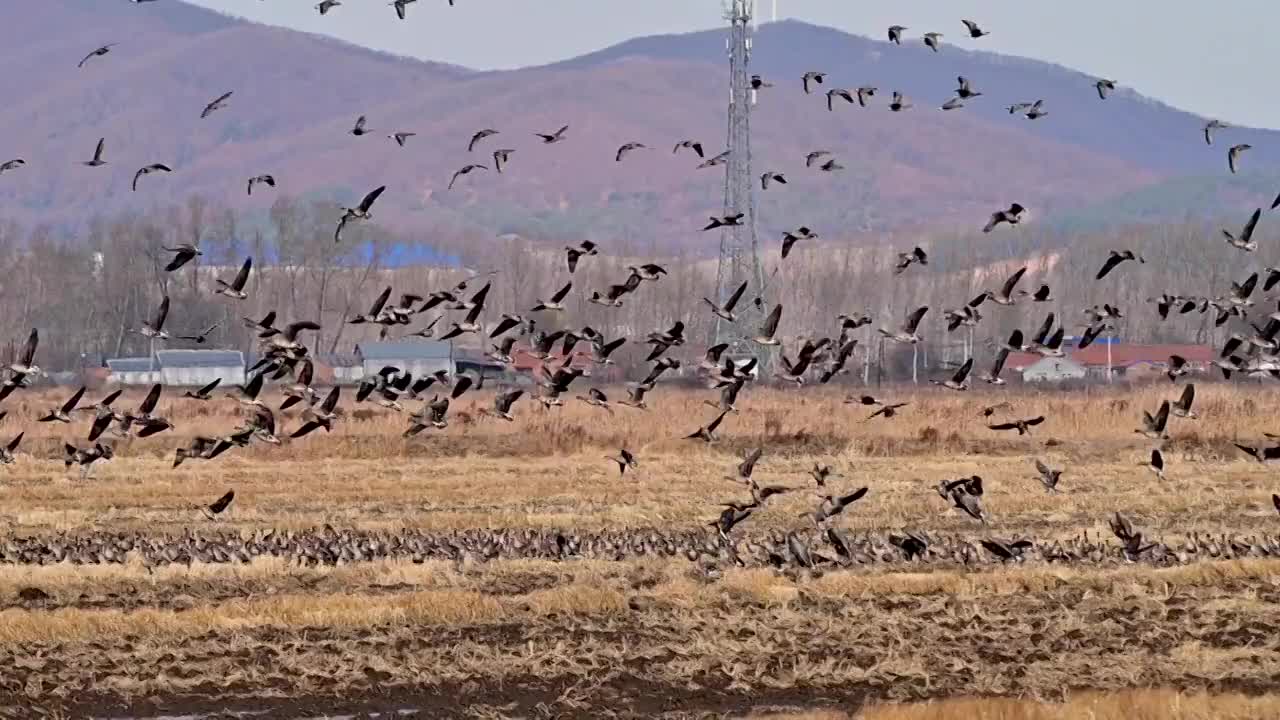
pixel 419 357
pixel 132 371
pixel 1103 361
pixel 197 368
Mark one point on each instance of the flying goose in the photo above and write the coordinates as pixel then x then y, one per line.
pixel 693 145
pixel 25 364
pixel 202 337
pixel 965 494
pixel 217 506
pixel 729 518
pixel 401 137
pixel 958 381
pixel 1177 367
pixel 1012 216
pixel 573 254
pixel 360 212
pixel 320 416
pixel 975 32
pixel 789 239
pixel 895 33
pixel 1261 454
pixel 183 253
pixel 1104 87
pixel 635 396
pixel 147 170
pixel 907 259
pixel 327 5
pixel 726 221
pixel 952 104
pixel 720 159
pixel 834 93
pixel 1049 477
pixel 300 390
pixel 1022 426
pixel 11 165
pixel 834 505
pixel 830 166
pixel 96 53
pixel 967 316
pixel 907 333
pixel 464 170
pixel 217 104
pixel 888 410
pixel 1154 427
pixel 1210 127
pixel 502 403
pixel 86 458
pixel 899 102
pixel 554 137
pixel 612 297
pixel 268 180
pixel 63 412
pixel 627 148
pixel 401 5
pixel 794 372
pixel 770 327
pixel 155 328
pixel 478 136
pixel 647 271
pixel 1155 464
pixel 360 128
pixel 965 91
pixel 931 40
pixel 500 158
pixel 1114 259
pixel 707 433
pixel 771 176
pixel 1245 241
pixel 1036 110
pixel 556 302
pixel 758 82
pixel 815 156
pixel 235 289
pixel 816 77
pixel 7 451
pixel 1133 547
pixel 1182 407
pixel 97 154
pixel 1233 155
pixel 725 311
pixel 204 393
pixel 625 459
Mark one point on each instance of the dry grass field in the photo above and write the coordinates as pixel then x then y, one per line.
pixel 659 635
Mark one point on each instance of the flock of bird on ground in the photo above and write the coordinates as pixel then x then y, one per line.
pixel 284 357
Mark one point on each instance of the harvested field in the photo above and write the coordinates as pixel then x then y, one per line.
pixel 500 569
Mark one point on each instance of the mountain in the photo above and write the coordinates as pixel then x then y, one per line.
pixel 297 95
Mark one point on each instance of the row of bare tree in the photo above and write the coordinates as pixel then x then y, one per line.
pixel 88 293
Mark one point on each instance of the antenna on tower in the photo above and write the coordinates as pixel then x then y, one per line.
pixel 739 247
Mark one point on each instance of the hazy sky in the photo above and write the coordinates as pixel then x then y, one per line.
pixel 1215 59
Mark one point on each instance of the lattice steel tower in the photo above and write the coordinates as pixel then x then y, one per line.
pixel 739 249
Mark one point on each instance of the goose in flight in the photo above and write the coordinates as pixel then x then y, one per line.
pixel 1233 155
pixel 895 33
pixel 1154 427
pixel 887 410
pixel 217 506
pixel 899 102
pixel 13 164
pixel 63 412
pixel 97 53
pixel 834 93
pixel 478 136
pixel 267 180
pixel 625 459
pixel 812 76
pixel 720 159
pixel 907 259
pixel 830 166
pixel 965 494
pixel 789 239
pixel 1261 454
pixel 1114 259
pixel 1049 477
pixel 463 171
pixel 758 82
pixel 573 254
pixel 155 328
pixel 707 433
pixel 25 364
pixel 360 212
pixel 1022 426
pixel 1104 87
pixel 771 176
pixel 1212 126
pixel 217 104
pixel 182 254
pixel 931 40
pixel 1155 464
pixel 725 311
pixel 770 327
pixel 326 5
pixel 1036 111
pixel 907 333
pixel 502 403
pixel 556 302
pixel 500 158
pixel 203 337
pixel 401 5
pixel 97 154
pixel 627 148
pixel 815 156
pixel 958 381
pixel 1182 406
pixel 597 398
pixel 7 451
pixel 1012 216
pixel 360 127
pixel 204 393
pixel 975 31
pixel 1177 367
pixel 726 221
pixel 965 91
pixel 401 137
pixel 693 145
pixel 147 170
pixel 1245 240
pixel 554 137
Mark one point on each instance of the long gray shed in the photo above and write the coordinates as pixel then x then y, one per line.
pixel 200 367
pixel 420 357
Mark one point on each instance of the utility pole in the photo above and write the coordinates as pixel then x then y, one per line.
pixel 739 248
